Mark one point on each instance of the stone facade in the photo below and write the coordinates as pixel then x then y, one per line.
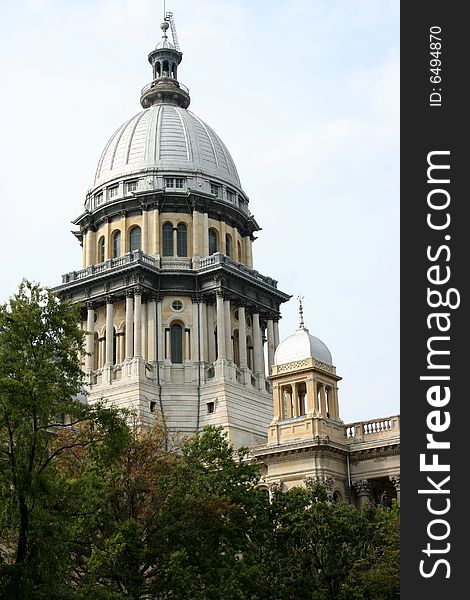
pixel 180 325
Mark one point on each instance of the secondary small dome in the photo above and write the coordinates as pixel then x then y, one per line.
pixel 301 345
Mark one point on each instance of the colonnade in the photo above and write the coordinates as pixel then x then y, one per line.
pixel 209 337
pixel 309 397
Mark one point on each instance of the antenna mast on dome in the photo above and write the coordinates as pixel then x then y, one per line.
pixel 169 17
pixel 301 311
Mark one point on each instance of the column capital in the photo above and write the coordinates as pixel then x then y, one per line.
pixel 362 487
pixel 138 291
pixel 129 293
pixel 395 481
pixel 110 299
pixel 90 305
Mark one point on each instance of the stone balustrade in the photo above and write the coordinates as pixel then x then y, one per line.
pixel 374 429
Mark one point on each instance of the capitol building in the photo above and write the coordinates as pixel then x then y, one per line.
pixel 180 324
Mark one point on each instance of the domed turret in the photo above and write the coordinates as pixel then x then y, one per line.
pixel 301 345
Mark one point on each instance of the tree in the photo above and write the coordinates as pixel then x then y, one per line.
pixel 171 524
pixel 323 550
pixel 41 422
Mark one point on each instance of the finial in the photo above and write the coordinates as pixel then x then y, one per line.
pixel 301 311
pixel 164 27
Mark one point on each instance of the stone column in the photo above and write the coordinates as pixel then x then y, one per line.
pixel 160 332
pixel 137 323
pixel 336 401
pixel 167 344
pixel 90 337
pixel 242 337
pixel 90 246
pixel 156 230
pixel 276 334
pixel 108 252
pixel 122 352
pixel 152 330
pixel 175 241
pixel 221 344
pixel 129 325
pixel 109 330
pixel 144 329
pixel 196 250
pixel 228 330
pixel 187 345
pixel 124 236
pixel 101 343
pixel 322 399
pixel 144 231
pixel 295 400
pixel 210 333
pixel 395 481
pixel 203 330
pixel 248 252
pixel 271 345
pixel 312 396
pixel 257 345
pixel 205 245
pixel 196 330
pixel 363 492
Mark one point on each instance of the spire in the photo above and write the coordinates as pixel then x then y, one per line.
pixel 165 58
pixel 301 312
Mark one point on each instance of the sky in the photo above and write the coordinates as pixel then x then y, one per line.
pixel 305 95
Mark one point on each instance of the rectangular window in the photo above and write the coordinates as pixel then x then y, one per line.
pixel 131 186
pixel 215 189
pixel 113 191
pixel 210 407
pixel 174 182
pixel 230 196
pixel 99 198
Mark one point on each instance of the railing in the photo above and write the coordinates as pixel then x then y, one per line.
pixel 170 262
pixel 219 258
pixel 362 429
pixel 132 257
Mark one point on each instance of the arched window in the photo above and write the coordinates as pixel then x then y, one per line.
pixel 213 241
pixel 101 249
pixel 228 245
pixel 167 231
pixel 176 341
pixel 116 244
pixel 182 240
pixel 166 69
pixel 157 69
pixel 135 238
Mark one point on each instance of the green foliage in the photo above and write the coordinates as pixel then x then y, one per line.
pixel 40 378
pixel 90 509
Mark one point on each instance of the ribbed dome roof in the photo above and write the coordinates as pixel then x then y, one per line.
pixel 169 138
pixel 301 345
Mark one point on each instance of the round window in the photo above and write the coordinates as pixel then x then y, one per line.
pixel 177 305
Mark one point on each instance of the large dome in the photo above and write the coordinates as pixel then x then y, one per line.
pixel 301 345
pixel 170 139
